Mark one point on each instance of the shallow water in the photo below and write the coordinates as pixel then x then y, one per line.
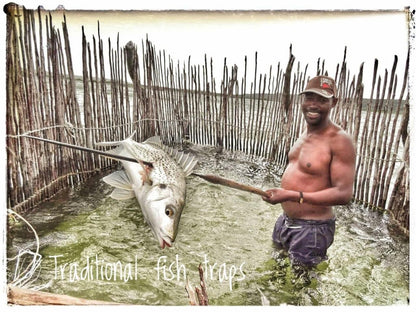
pixel 87 239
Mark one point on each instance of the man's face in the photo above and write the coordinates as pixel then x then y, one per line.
pixel 316 108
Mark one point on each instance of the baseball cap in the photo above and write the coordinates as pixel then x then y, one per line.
pixel 322 85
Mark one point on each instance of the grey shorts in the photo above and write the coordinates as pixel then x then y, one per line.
pixel 306 241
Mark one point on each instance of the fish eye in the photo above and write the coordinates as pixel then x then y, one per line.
pixel 170 211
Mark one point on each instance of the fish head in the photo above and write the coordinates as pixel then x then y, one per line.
pixel 164 204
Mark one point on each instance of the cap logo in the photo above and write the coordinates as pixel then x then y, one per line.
pixel 326 83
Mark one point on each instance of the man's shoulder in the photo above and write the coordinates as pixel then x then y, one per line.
pixel 341 140
pixel 339 133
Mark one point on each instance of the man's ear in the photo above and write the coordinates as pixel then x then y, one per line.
pixel 334 101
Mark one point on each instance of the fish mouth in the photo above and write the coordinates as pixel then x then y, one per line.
pixel 165 240
pixel 164 244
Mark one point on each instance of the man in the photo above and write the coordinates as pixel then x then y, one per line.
pixel 320 174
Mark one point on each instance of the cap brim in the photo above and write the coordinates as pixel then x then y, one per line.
pixel 319 92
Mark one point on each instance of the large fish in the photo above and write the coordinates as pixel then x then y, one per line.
pixel 157 181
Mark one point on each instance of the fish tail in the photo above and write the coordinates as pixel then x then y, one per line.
pixel 115 143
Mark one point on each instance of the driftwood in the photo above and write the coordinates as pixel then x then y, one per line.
pixel 21 296
pixel 197 296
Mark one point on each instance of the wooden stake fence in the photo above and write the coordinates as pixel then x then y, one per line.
pixel 149 92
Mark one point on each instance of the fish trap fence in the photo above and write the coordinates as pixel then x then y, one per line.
pixel 148 92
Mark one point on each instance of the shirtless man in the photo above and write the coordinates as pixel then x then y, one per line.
pixel 320 174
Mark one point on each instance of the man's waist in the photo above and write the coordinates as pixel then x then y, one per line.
pixel 301 221
pixel 306 211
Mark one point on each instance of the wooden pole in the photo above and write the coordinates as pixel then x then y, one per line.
pixel 232 184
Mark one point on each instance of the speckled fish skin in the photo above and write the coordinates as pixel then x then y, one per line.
pixel 159 189
pixel 165 169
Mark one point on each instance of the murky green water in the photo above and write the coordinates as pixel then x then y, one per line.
pixel 87 239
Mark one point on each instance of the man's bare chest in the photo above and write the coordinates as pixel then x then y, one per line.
pixel 311 156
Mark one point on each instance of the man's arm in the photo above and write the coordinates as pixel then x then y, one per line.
pixel 342 174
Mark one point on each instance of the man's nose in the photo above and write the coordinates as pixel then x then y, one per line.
pixel 312 104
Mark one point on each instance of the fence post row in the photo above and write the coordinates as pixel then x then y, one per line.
pixel 149 92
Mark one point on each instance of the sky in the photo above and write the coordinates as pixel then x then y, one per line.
pixel 234 35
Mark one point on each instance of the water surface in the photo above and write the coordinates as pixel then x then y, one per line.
pixel 97 248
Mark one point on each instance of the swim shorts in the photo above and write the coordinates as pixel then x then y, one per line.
pixel 306 241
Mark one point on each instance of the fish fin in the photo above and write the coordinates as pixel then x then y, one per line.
pixel 122 194
pixel 115 151
pixel 115 143
pixel 185 160
pixel 128 147
pixel 122 184
pixel 155 141
pixel 189 166
pixel 119 180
